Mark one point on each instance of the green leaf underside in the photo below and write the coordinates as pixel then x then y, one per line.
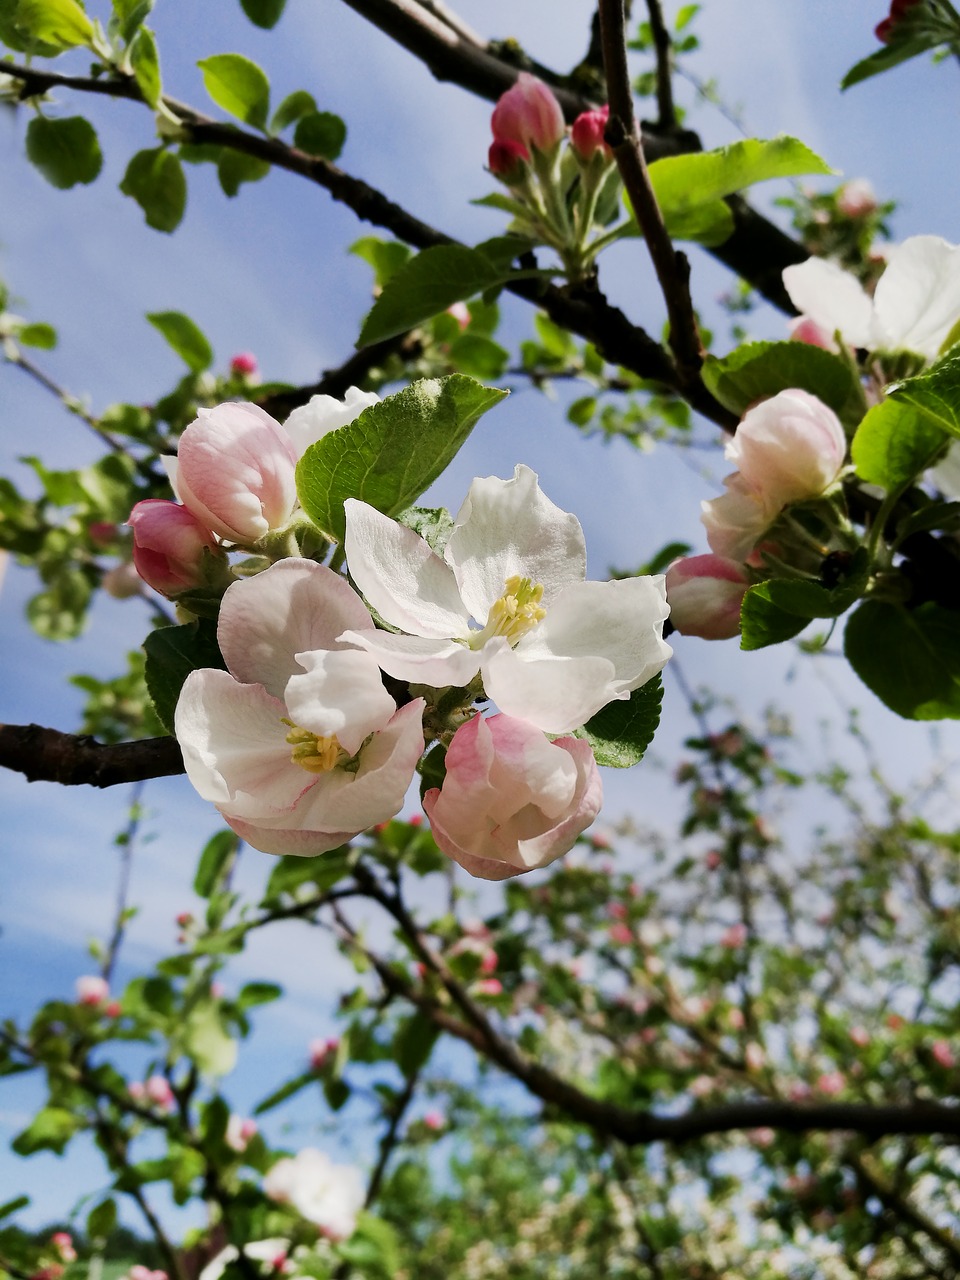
pixel 145 61
pixel 392 451
pixel 779 609
pixel 427 285
pixel 185 337
pixel 239 86
pixel 622 731
pixel 172 653
pixel 763 623
pixel 758 370
pixel 909 658
pixel 66 151
pixel 235 167
pixel 320 133
pixel 263 13
pixel 894 443
pixel 61 24
pixel 935 393
pixel 155 179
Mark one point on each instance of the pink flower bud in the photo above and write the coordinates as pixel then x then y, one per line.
pixel 434 1120
pixel 508 161
pixel 244 365
pixel 171 547
pixel 92 989
pixel 860 1036
pixel 529 114
pixel 942 1054
pixel 621 934
pixel 62 1241
pixel 489 961
pixel 856 198
pixel 157 1090
pixel 512 800
pixel 239 1132
pixel 713 860
pixel 185 919
pixel 734 937
pixel 803 329
pixel 461 313
pixel 112 1009
pixel 322 1052
pixel 101 532
pixel 137 1090
pixel 736 1019
pixel 236 472
pixel 586 133
pixel 831 1083
pixel 488 987
pixel 788 448
pixel 762 1137
pixel 705 594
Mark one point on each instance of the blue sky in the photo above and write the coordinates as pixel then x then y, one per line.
pixel 268 272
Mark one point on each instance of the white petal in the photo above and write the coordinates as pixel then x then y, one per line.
pixel 917 300
pixel 290 608
pixel 555 694
pixel 508 527
pixel 409 586
pixel 234 746
pixel 323 414
pixel 304 844
pixel 832 297
pixel 438 663
pixel 340 695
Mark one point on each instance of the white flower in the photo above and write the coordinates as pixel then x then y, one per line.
pixel 507 600
pixel 323 414
pixel 327 1194
pixel 915 305
pixel 269 1252
pixel 298 744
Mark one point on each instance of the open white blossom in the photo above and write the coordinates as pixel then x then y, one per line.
pixel 915 306
pixel 506 600
pixel 326 1194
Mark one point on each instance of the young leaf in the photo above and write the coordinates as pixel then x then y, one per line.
pixel 292 108
pixel 145 62
pixel 185 337
pixel 239 86
pixel 320 133
pixel 895 443
pixel 217 852
pixel 155 179
pixel 909 658
pixel 777 610
pixel 622 731
pixel 61 23
pixel 427 285
pixel 263 13
pixel 891 55
pixel 758 370
pixel 682 182
pixel 762 622
pixel 206 1041
pixel 127 17
pixel 38 335
pixel 392 451
pixel 66 152
pixel 235 167
pixel 172 653
pixel 936 392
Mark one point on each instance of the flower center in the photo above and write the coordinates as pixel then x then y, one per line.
pixel 316 755
pixel 516 612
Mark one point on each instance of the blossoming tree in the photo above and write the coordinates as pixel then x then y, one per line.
pixel 327 655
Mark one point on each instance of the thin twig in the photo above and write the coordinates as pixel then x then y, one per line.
pixel 69 402
pixel 663 49
pixel 127 841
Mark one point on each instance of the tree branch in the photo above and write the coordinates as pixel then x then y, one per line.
pixel 47 755
pixel 663 48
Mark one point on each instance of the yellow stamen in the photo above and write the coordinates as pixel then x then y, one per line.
pixel 516 612
pixel 316 755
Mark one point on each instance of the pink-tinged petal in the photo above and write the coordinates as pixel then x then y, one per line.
pixel 555 694
pixel 234 746
pixel 408 585
pixel 528 113
pixel 302 844
pixel 438 663
pixel 509 527
pixel 705 594
pixel 788 448
pixel 737 520
pixel 340 695
pixel 323 414
pixel 917 300
pixel 236 471
pixel 290 608
pixel 511 800
pixel 832 297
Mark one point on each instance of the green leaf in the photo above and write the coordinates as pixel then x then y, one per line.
pixel 936 392
pixel 216 854
pixel 427 285
pixel 292 108
pixel 891 55
pixel 385 256
pixel 38 335
pixel 320 133
pixel 285 1091
pixel 373 1248
pixel 895 443
pixel 13 1206
pixel 66 152
pixel 253 993
pixel 622 731
pixel 239 86
pixel 61 23
pixel 172 653
pixel 479 357
pixel 236 167
pixel 777 610
pixel 909 658
pixel 390 453
pixel 263 13
pixel 155 179
pixel 185 337
pixel 207 1041
pixel 102 1219
pixel 59 613
pixel 682 182
pixel 762 622
pixel 942 516
pixel 433 524
pixel 49 1130
pixel 145 63
pixel 290 873
pixel 758 370
pixel 708 224
pixel 127 17
pixel 413 1043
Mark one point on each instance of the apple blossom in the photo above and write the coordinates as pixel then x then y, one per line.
pixel 239 1132
pixel 174 551
pixel 298 744
pixel 244 365
pixel 914 307
pixel 737 520
pixel 508 161
pixel 156 1089
pixel 511 799
pixel 326 1194
pixel 587 133
pixel 235 471
pixel 856 198
pixel 705 594
pixel 507 600
pixel 92 989
pixel 789 448
pixel 271 1254
pixel 528 114
pixel 323 414
pixel 942 1054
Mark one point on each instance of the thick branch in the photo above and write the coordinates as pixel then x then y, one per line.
pixel 47 755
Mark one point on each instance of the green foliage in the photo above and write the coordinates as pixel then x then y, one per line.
pixel 909 658
pixel 759 370
pixel 172 653
pixel 145 62
pixel 320 133
pixel 217 857
pixel 263 13
pixel 622 731
pixel 235 168
pixel 66 151
pixel 392 451
pixel 60 24
pixel 894 443
pixel 185 337
pixel 935 393
pixel 239 86
pixel 779 609
pixel 155 179
pixel 128 15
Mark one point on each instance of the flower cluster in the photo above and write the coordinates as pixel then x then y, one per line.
pixel 558 195
pixel 892 26
pixel 328 1195
pixel 301 745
